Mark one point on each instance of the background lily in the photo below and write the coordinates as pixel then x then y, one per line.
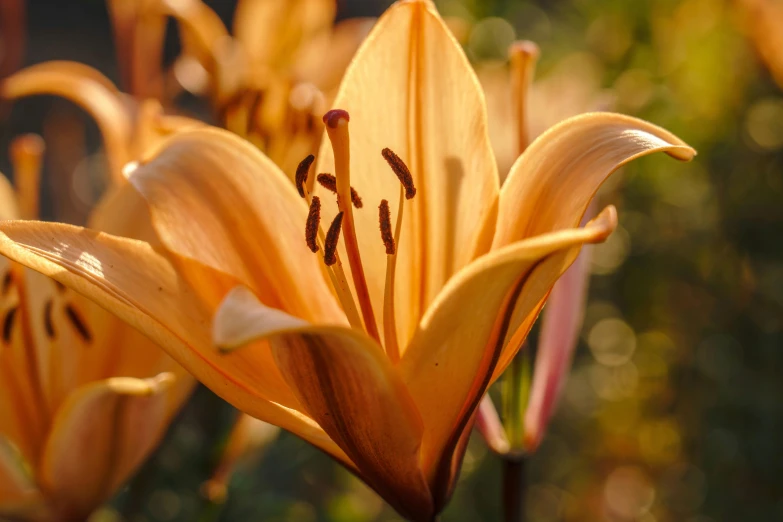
pixel 394 402
pixel 84 397
pixel 272 77
pixel 80 380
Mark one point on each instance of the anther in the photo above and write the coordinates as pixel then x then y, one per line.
pixel 332 236
pixel 313 221
pixel 8 324
pixel 301 174
pixel 8 279
pixel 48 323
pixel 329 182
pixel 384 216
pixel 78 323
pixel 401 170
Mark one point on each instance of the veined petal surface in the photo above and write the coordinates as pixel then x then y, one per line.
pixel 410 88
pixel 551 184
pixel 345 382
pixel 141 287
pixel 448 365
pixel 216 200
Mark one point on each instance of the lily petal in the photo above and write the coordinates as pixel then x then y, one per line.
pixel 141 287
pixel 410 88
pixel 346 383
pixel 270 31
pixel 88 454
pixel 9 209
pixel 216 200
pixel 551 184
pixel 560 327
pixel 18 493
pixel 87 88
pixel 454 351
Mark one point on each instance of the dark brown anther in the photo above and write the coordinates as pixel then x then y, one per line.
pixel 401 170
pixel 8 279
pixel 47 317
pixel 313 220
pixel 332 237
pixel 384 215
pixel 78 323
pixel 301 174
pixel 8 325
pixel 329 182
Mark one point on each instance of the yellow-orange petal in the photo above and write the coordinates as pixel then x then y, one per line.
pixel 8 206
pixel 272 32
pixel 87 88
pixel 344 381
pixel 19 496
pixel 456 347
pixel 215 199
pixel 551 184
pixel 140 286
pixel 410 88
pixel 101 434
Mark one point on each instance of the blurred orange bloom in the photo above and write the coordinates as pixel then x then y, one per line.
pixel 381 368
pixel 84 397
pixel 271 79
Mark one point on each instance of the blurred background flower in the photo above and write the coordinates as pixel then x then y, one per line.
pixel 672 411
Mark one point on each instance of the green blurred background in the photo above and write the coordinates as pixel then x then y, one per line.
pixel 673 411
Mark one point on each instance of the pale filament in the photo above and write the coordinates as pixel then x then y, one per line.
pixel 335 271
pixel 389 318
pixel 337 130
pixel 523 56
pixel 27 159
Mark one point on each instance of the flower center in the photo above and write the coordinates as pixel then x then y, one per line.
pixel 347 199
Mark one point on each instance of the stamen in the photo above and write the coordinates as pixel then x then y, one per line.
pixel 313 222
pixel 78 323
pixel 48 323
pixel 26 156
pixel 8 324
pixel 332 237
pixel 401 170
pixel 337 129
pixel 329 182
pixel 7 280
pixel 384 216
pixel 389 319
pixel 523 56
pixel 302 172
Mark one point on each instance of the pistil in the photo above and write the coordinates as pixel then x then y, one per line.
pixel 26 156
pixel 337 129
pixel 523 56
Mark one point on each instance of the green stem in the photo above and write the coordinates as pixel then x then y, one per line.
pixel 514 488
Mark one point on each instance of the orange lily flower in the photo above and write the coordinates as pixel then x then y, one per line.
pixel 272 79
pixel 378 348
pixel 77 380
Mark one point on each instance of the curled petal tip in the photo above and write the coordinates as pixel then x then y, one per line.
pixel 333 118
pixel 603 224
pixel 139 387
